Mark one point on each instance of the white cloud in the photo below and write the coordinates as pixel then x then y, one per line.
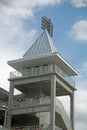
pixel 85 65
pixel 25 8
pixel 79 31
pixel 79 3
pixel 81 98
pixel 81 109
pixel 81 79
pixel 12 16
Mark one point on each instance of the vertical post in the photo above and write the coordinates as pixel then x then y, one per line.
pixel 5 118
pixel 72 110
pixel 10 103
pixel 53 94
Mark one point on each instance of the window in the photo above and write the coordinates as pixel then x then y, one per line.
pixel 37 69
pixel 28 70
pixel 45 68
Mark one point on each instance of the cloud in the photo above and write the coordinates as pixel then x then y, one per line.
pixel 83 70
pixel 81 109
pixel 79 3
pixel 25 8
pixel 79 31
pixel 81 98
pixel 81 79
pixel 12 19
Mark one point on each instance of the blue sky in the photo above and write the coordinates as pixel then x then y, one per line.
pixel 20 25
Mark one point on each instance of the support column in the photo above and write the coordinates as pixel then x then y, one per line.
pixel 53 95
pixel 5 119
pixel 72 110
pixel 10 104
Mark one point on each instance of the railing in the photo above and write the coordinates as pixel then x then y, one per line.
pixel 29 102
pixel 37 127
pixel 38 70
pixel 63 114
pixel 64 75
pixel 15 74
pixel 45 127
pixel 32 127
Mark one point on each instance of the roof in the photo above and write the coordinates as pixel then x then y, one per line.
pixel 42 51
pixel 43 46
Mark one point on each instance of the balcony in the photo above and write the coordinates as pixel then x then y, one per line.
pixel 30 102
pixel 45 100
pixel 40 70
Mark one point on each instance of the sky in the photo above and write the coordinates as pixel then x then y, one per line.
pixel 20 26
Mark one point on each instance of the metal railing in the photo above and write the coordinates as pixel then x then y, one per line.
pixel 38 70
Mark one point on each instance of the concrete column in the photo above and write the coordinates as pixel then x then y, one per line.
pixel 72 110
pixel 8 124
pixel 5 119
pixel 53 95
pixel 10 104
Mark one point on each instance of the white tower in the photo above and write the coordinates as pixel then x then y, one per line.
pixel 41 75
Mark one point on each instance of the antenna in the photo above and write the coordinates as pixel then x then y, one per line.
pixel 47 24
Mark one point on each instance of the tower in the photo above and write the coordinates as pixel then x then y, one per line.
pixel 41 76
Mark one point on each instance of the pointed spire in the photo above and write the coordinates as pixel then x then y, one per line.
pixel 43 46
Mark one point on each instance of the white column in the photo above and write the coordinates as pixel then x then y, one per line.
pixel 72 110
pixel 53 95
pixel 10 104
pixel 5 118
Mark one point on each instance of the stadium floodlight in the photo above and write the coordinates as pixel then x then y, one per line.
pixel 47 24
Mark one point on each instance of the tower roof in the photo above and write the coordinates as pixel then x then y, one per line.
pixel 43 46
pixel 42 51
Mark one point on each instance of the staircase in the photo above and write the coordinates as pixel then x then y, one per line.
pixel 64 121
